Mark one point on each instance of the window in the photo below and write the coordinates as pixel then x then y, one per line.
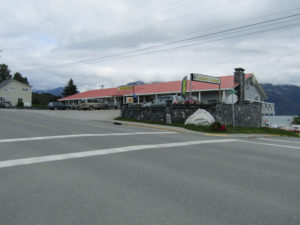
pixel 2 98
pixel 25 89
pixel 20 99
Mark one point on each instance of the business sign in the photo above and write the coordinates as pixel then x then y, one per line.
pixel 125 88
pixel 129 100
pixel 183 86
pixel 205 78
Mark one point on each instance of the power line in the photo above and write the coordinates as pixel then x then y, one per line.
pixel 130 20
pixel 186 45
pixel 144 50
pixel 57 21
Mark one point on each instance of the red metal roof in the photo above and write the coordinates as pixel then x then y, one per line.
pixel 156 88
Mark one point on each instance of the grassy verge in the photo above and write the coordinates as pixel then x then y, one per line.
pixel 230 130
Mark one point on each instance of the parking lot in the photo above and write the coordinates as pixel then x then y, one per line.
pixel 76 167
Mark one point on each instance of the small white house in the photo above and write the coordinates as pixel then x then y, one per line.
pixel 14 91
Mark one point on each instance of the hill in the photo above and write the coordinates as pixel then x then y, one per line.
pixel 285 97
pixel 55 91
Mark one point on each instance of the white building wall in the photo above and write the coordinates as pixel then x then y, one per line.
pixel 251 92
pixel 15 90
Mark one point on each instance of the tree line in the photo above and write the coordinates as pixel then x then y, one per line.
pixel 38 99
pixel 5 74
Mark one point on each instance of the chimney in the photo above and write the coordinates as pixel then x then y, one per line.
pixel 239 76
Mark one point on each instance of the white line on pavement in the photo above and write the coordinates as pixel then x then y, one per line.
pixel 78 135
pixel 260 143
pixel 270 139
pixel 34 160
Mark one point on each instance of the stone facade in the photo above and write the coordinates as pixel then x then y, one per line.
pixel 246 115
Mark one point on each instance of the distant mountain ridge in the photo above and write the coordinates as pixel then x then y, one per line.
pixel 285 97
pixel 133 83
pixel 56 91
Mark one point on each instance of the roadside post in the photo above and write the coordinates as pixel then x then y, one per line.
pixel 232 92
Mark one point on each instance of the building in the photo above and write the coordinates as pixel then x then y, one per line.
pixel 205 92
pixel 15 91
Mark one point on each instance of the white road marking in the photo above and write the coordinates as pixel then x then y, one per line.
pixel 260 143
pixel 41 159
pixel 78 135
pixel 270 139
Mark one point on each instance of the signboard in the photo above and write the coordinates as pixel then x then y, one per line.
pixel 129 100
pixel 183 87
pixel 205 78
pixel 125 88
pixel 232 99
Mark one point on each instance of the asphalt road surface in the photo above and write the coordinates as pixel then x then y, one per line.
pixel 63 171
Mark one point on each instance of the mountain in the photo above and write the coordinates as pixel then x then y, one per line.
pixel 55 91
pixel 285 97
pixel 133 83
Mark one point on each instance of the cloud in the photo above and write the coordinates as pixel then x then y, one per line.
pixel 39 37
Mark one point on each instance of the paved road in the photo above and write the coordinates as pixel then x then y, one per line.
pixel 75 171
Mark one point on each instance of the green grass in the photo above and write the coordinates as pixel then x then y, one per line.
pixel 230 130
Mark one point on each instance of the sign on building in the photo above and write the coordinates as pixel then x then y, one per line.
pixel 205 78
pixel 125 88
pixel 129 100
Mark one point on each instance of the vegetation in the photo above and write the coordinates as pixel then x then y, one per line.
pixel 70 89
pixel 285 97
pixel 17 76
pixel 226 130
pixel 5 74
pixel 20 104
pixel 296 120
pixel 42 100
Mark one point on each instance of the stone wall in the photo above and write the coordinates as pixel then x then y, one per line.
pixel 247 115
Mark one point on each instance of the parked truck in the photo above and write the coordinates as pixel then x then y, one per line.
pixel 91 104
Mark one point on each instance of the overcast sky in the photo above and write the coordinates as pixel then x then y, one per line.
pixel 112 43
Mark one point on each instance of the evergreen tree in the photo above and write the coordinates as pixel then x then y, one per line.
pixel 296 120
pixel 4 73
pixel 70 89
pixel 19 77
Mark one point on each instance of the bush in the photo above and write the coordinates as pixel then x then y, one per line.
pixel 217 126
pixel 296 120
pixel 20 104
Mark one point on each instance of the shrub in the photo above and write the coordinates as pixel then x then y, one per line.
pixel 20 104
pixel 217 126
pixel 296 120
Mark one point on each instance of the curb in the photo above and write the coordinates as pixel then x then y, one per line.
pixel 186 131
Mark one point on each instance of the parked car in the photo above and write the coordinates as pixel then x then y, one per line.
pixel 93 104
pixel 56 106
pixel 162 101
pixel 193 100
pixel 5 104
